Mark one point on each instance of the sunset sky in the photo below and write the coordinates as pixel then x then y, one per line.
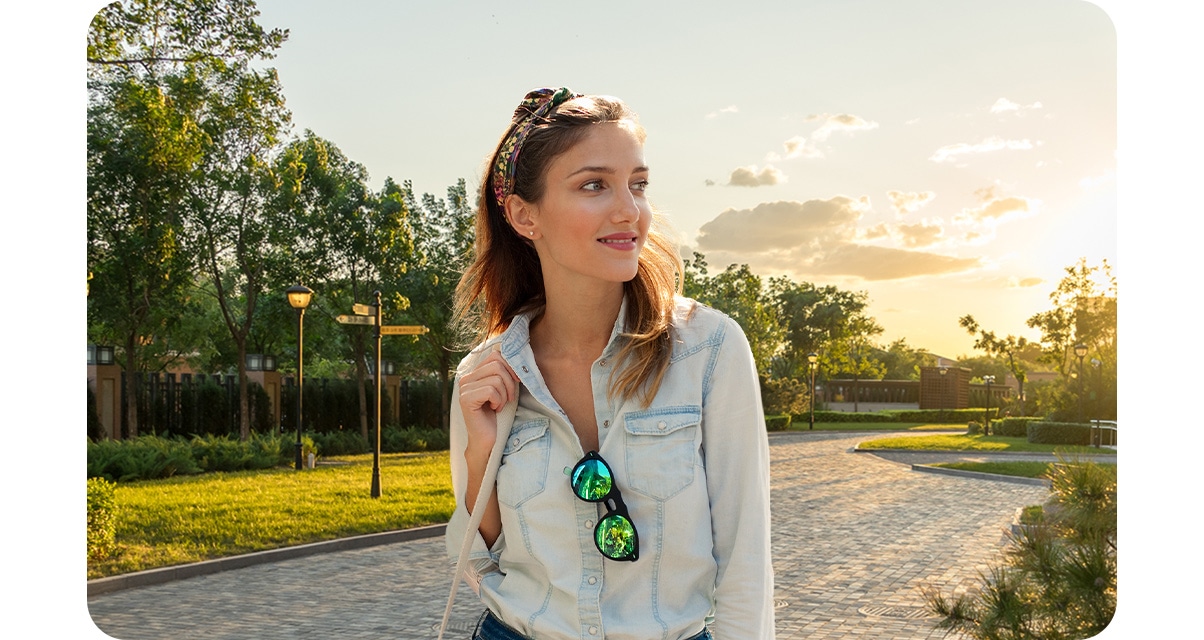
pixel 947 157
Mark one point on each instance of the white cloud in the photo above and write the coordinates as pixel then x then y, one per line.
pixel 750 176
pixel 994 209
pixel 800 147
pixel 922 234
pixel 1003 105
pixel 949 153
pixel 844 122
pixel 904 202
pixel 727 109
pixel 821 237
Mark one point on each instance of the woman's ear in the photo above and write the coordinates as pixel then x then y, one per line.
pixel 523 216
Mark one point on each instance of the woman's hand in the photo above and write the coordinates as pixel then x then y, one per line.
pixel 483 392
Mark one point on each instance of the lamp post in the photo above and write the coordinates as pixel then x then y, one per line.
pixel 298 298
pixel 944 390
pixel 1080 350
pixel 986 425
pixel 812 363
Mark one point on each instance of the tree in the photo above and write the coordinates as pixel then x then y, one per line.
pixel 738 292
pixel 1058 578
pixel 1010 347
pixel 901 361
pixel 143 143
pixel 443 235
pixel 827 321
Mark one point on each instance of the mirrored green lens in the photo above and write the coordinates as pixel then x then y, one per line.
pixel 591 480
pixel 615 537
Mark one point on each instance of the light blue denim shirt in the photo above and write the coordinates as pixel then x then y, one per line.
pixel 693 468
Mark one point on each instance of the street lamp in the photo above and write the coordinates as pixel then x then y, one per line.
pixel 1080 350
pixel 944 390
pixel 986 428
pixel 812 363
pixel 298 298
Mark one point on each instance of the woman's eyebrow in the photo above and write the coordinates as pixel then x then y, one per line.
pixel 605 170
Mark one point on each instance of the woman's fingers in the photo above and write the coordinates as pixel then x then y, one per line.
pixel 492 382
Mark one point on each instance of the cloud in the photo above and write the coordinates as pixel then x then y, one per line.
pixel 1003 105
pixel 904 202
pixel 995 209
pixel 820 237
pixel 727 109
pixel 710 183
pixel 1024 283
pixel 750 177
pixel 949 153
pixel 921 234
pixel 844 122
pixel 800 147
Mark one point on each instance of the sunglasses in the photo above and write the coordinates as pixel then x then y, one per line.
pixel 614 534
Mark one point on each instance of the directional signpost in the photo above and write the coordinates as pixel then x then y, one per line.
pixel 370 315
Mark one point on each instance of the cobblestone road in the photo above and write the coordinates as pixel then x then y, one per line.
pixel 854 537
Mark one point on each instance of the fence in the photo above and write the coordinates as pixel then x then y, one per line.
pixel 199 404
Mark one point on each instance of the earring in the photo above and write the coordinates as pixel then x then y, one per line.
pixel 531 233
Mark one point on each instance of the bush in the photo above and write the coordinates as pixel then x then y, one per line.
pixel 341 443
pixel 222 453
pixel 102 518
pixel 413 439
pixel 1012 427
pixel 1059 433
pixel 849 416
pixel 974 429
pixel 935 416
pixel 141 458
pixel 784 396
pixel 777 423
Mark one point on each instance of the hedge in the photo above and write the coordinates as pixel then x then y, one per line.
pixel 936 416
pixel 102 518
pixel 777 423
pixel 1059 433
pixel 1015 427
pixel 850 416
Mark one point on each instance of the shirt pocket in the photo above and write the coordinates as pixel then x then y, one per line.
pixel 524 469
pixel 662 449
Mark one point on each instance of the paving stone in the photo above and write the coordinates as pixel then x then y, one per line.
pixel 855 537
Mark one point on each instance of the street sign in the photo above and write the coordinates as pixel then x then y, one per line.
pixel 368 320
pixel 363 309
pixel 402 330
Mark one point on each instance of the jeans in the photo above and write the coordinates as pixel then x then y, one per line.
pixel 490 628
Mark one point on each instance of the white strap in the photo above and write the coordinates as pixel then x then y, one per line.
pixel 505 420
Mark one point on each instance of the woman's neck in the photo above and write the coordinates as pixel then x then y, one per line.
pixel 576 325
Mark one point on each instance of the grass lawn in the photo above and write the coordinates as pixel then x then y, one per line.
pixel 964 442
pixel 192 518
pixel 1024 469
pixel 876 426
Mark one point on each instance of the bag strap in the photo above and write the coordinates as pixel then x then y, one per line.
pixel 505 421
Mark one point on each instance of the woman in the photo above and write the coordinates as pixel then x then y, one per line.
pixel 624 422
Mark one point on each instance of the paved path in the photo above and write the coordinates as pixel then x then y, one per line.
pixel 854 537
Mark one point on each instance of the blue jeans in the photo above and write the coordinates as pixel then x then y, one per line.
pixel 490 628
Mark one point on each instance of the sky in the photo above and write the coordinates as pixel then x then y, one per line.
pixel 461 95
pixel 947 157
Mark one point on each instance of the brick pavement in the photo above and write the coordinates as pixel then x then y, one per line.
pixel 854 537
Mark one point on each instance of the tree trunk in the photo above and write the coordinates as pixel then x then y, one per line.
pixel 361 379
pixel 131 386
pixel 244 404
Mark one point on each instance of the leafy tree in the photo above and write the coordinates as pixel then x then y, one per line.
pixel 1009 347
pixel 739 293
pixel 143 144
pixel 829 322
pixel 901 361
pixel 1058 578
pixel 443 235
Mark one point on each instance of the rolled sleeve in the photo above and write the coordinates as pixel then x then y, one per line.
pixel 737 470
pixel 482 559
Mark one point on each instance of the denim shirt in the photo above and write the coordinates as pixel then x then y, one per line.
pixel 693 469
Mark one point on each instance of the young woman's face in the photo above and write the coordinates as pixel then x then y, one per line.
pixel 593 218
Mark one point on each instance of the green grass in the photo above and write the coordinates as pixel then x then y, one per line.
pixel 194 518
pixel 964 442
pixel 798 425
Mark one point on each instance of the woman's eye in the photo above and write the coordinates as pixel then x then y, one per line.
pixel 641 185
pixel 592 185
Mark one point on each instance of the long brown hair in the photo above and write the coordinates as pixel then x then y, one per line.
pixel 505 278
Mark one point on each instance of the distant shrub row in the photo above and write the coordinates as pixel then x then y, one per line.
pixel 150 457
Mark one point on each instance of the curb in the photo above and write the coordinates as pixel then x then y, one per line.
pixel 1037 482
pixel 179 572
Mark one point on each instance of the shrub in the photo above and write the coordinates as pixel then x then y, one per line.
pixel 934 416
pixel 974 428
pixel 777 423
pixel 141 458
pixel 784 396
pixel 1015 427
pixel 341 443
pixel 102 518
pixel 1059 433
pixel 413 439
pixel 223 453
pixel 848 416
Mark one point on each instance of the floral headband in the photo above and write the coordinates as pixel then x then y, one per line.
pixel 535 108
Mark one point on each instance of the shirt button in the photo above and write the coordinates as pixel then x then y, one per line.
pixel 525 370
pixel 603 363
pixel 593 631
pixel 514 442
pixel 606 424
pixel 593 580
pixel 661 426
pixel 589 524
